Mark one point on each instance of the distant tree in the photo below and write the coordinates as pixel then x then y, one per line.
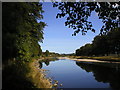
pixel 84 50
pixel 77 52
pixel 46 53
pixel 88 49
pixel 77 14
pixel 100 45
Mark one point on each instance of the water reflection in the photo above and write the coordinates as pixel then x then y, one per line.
pixel 106 73
pixel 40 65
pixel 67 73
pixel 45 61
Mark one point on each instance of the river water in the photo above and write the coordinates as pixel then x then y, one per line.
pixel 72 74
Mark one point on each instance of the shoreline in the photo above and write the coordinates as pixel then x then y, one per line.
pixel 89 60
pixel 40 73
pixel 38 76
pixel 44 82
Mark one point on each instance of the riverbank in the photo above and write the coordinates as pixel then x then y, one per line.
pixel 103 58
pixel 37 76
pixel 93 59
pixel 48 58
pixel 20 74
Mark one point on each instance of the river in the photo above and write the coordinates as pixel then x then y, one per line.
pixel 73 74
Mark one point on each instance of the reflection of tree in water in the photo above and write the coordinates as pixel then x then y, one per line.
pixel 46 62
pixel 40 65
pixel 103 73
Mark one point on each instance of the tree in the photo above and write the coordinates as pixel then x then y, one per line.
pixel 100 45
pixel 77 52
pixel 47 53
pixel 21 31
pixel 84 50
pixel 114 41
pixel 77 14
pixel 21 34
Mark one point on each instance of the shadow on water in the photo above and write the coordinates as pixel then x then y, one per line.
pixel 107 73
pixel 40 65
pixel 46 63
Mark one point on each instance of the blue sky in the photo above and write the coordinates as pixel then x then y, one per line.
pixel 58 38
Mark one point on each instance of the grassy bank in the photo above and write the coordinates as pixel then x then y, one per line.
pixel 19 74
pixel 103 58
pixel 37 76
pixel 48 58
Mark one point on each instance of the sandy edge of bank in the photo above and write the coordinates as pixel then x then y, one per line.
pixel 87 60
pixel 38 76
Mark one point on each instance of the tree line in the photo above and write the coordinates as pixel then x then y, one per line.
pixel 102 45
pixel 21 30
pixel 48 53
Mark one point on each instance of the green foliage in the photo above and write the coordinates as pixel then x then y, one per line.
pixel 77 14
pixel 21 30
pixel 84 50
pixel 47 53
pixel 102 45
pixel 114 41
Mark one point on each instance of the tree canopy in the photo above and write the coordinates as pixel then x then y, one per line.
pixel 21 31
pixel 102 45
pixel 77 14
pixel 46 53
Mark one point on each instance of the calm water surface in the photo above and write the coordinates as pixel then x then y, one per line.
pixel 72 74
